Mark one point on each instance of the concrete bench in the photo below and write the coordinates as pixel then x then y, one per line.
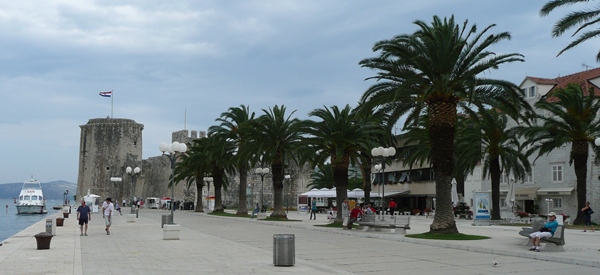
pixel 553 244
pixel 399 224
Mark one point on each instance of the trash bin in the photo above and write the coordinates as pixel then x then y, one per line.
pixel 137 213
pixel 284 250
pixel 166 219
pixel 43 240
pixel 59 221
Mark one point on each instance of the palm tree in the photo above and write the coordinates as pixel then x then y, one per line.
pixel 580 20
pixel 499 149
pixel 435 70
pixel 339 137
pixel 190 170
pixel 573 118
pixel 322 177
pixel 275 138
pixel 213 156
pixel 234 125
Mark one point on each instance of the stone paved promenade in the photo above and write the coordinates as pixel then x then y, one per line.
pixel 224 245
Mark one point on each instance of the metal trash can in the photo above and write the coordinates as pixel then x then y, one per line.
pixel 284 250
pixel 166 219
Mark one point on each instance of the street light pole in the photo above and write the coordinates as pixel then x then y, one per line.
pixel 262 172
pixel 548 201
pixel 287 198
pixel 133 174
pixel 377 170
pixel 208 180
pixel 175 150
pixel 383 153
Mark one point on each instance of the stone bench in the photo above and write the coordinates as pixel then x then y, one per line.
pixel 553 244
pixel 399 224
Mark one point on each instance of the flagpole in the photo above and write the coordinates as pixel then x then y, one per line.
pixel 112 101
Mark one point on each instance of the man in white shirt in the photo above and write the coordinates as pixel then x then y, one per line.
pixel 107 209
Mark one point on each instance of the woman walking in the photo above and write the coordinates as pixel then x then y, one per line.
pixel 587 216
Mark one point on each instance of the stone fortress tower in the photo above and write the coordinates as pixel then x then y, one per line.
pixel 107 147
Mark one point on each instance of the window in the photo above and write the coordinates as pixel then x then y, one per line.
pixel 529 177
pixel 557 172
pixel 531 91
pixel 557 203
pixel 503 179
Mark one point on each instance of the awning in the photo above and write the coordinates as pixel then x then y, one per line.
pixel 525 193
pixel 391 193
pixel 555 191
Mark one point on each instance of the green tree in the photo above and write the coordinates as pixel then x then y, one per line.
pixel 499 150
pixel 572 118
pixel 322 177
pixel 435 70
pixel 235 126
pixel 340 136
pixel 581 20
pixel 190 171
pixel 275 137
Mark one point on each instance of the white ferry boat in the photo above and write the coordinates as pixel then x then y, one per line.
pixel 31 199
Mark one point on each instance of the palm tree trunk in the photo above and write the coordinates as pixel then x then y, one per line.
pixel 442 119
pixel 278 211
pixel 199 197
pixel 495 176
pixel 340 179
pixel 242 199
pixel 580 154
pixel 218 183
pixel 366 172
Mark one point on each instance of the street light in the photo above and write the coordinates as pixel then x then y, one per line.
pixel 208 180
pixel 383 153
pixel 377 170
pixel 287 199
pixel 597 141
pixel 175 150
pixel 133 174
pixel 262 172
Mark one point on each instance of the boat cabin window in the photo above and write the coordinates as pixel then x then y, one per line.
pixel 21 197
pixel 27 197
pixel 41 198
pixel 34 198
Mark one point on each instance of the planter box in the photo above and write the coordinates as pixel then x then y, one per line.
pixel 171 231
pixel 43 240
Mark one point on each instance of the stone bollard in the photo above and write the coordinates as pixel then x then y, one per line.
pixel 43 240
pixel 60 221
pixel 65 215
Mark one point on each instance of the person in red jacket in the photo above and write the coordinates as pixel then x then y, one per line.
pixel 391 207
pixel 354 215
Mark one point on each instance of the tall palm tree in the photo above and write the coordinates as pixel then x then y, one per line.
pixel 191 171
pixel 573 118
pixel 499 150
pixel 339 137
pixel 578 20
pixel 436 70
pixel 234 125
pixel 275 138
pixel 322 177
pixel 213 156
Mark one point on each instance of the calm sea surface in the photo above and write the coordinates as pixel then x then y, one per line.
pixel 11 223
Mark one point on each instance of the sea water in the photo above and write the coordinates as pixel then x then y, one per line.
pixel 12 223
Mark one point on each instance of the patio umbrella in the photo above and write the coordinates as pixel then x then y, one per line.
pixel 510 195
pixel 454 193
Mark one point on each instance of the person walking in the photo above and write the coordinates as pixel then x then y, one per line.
pixel 118 208
pixel 587 217
pixel 392 207
pixel 313 209
pixel 84 214
pixel 107 209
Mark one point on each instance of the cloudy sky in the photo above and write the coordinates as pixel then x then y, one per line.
pixel 164 59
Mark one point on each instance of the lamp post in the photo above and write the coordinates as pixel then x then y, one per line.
pixel 174 150
pixel 377 170
pixel 262 172
pixel 382 153
pixel 548 201
pixel 287 204
pixel 133 174
pixel 207 180
pixel 115 180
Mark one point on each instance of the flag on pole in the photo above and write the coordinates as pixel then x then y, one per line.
pixel 106 94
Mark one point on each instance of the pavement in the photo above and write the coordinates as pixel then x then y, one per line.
pixel 229 245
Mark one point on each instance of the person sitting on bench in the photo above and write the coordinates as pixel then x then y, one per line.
pixel 545 232
pixel 354 215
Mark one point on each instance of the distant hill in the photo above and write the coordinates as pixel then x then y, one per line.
pixel 52 190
